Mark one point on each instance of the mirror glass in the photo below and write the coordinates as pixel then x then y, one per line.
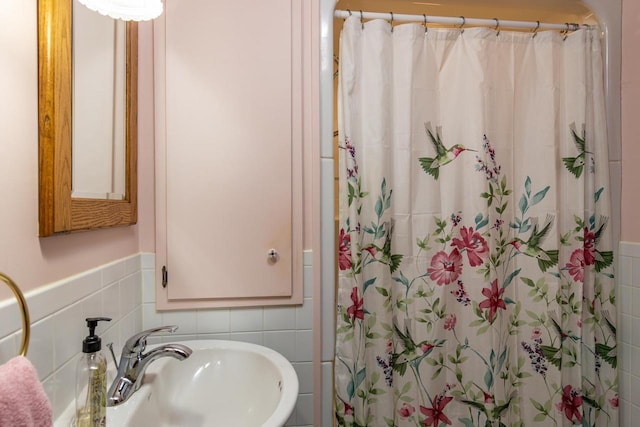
pixel 87 119
pixel 98 105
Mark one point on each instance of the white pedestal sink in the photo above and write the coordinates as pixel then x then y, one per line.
pixel 222 384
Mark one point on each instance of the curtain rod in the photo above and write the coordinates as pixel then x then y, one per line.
pixel 461 21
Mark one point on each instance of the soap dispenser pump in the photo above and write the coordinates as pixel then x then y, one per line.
pixel 91 380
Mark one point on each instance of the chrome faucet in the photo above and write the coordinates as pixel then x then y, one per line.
pixel 134 362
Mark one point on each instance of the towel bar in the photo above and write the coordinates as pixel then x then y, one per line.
pixel 24 310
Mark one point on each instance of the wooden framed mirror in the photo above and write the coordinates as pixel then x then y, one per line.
pixel 59 212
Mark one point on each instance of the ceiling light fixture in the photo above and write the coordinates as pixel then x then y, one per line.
pixel 127 10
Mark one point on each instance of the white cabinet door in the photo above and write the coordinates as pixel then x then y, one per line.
pixel 228 135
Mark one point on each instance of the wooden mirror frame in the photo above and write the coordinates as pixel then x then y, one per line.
pixel 58 211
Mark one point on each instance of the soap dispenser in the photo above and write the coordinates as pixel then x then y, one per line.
pixel 91 380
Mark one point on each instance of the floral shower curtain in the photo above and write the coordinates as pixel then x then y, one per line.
pixel 475 259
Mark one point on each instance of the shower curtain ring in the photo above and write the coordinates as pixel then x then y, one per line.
pixel 535 30
pixel 464 21
pixel 362 19
pixel 497 29
pixel 425 23
pixel 566 31
pixel 391 21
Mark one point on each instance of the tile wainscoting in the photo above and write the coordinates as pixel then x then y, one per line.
pixel 628 298
pixel 58 311
pixel 124 291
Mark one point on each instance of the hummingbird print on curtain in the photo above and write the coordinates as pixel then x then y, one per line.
pixel 444 155
pixel 576 164
pixel 448 349
pixel 475 261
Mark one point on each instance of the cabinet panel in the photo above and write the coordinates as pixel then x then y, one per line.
pixel 228 128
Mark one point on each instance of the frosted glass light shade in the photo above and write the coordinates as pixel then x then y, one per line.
pixel 127 10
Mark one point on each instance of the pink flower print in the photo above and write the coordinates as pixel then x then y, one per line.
pixel 389 346
pixel 406 410
pixel 445 268
pixel 614 401
pixel 450 322
pixel 344 250
pixel 576 265
pixel 536 333
pixel 571 403
pixel 494 300
pixel 474 244
pixel 348 409
pixel 435 415
pixel 589 247
pixel 356 311
pixel 426 347
pixel 372 250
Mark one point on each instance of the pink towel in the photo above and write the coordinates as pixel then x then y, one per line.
pixel 23 402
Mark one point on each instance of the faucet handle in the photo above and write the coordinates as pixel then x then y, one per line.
pixel 138 342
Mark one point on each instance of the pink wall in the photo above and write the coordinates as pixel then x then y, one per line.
pixel 32 261
pixel 630 123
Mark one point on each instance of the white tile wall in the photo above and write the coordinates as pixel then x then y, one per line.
pixel 628 298
pixel 124 290
pixel 58 311
pixel 288 330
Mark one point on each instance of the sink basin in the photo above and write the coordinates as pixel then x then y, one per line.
pixel 223 383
